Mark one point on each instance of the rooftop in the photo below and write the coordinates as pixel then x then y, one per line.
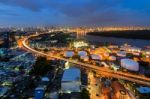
pixel 144 89
pixel 72 74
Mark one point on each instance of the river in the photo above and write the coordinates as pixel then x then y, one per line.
pixel 119 41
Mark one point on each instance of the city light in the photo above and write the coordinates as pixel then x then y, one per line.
pixel 78 44
pixel 74 49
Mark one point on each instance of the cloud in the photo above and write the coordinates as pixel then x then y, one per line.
pixel 84 12
pixel 66 6
pixel 77 8
pixel 5 12
pixel 33 5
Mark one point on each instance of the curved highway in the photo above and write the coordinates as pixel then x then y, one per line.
pixel 100 70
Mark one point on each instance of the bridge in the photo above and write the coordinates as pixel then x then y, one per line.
pixel 99 70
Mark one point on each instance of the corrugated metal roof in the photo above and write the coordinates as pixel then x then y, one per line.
pixel 72 74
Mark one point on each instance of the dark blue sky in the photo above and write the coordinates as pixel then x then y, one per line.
pixel 75 12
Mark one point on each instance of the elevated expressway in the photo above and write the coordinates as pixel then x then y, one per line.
pixel 99 70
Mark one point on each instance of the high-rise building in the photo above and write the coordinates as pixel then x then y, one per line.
pixel 6 39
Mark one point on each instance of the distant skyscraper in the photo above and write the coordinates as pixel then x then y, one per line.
pixel 6 37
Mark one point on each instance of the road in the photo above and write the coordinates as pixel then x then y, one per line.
pixel 100 70
pixel 93 86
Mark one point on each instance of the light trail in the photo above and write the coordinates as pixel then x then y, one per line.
pixel 101 70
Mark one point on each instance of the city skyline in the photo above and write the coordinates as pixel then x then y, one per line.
pixel 74 13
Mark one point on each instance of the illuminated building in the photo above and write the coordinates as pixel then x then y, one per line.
pixel 71 80
pixel 130 64
pixel 78 44
pixel 121 54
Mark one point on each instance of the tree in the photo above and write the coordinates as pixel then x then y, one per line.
pixel 21 68
pixel 45 50
pixel 85 94
pixel 76 57
pixel 41 67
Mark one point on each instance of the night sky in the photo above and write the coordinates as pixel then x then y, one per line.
pixel 75 12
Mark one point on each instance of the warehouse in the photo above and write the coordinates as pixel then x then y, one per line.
pixel 71 80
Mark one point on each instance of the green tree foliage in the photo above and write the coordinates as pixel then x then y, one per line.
pixel 76 57
pixel 41 66
pixel 45 50
pixel 85 94
pixel 134 34
pixel 144 97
